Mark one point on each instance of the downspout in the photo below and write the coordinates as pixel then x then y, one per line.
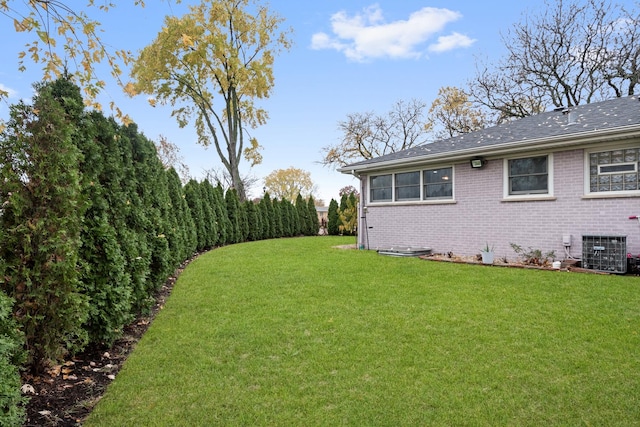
pixel 360 213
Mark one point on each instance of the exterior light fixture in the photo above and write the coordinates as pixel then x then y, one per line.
pixel 478 162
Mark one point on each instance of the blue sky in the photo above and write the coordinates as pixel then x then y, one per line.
pixel 348 57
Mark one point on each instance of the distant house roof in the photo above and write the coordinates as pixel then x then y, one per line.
pixel 617 118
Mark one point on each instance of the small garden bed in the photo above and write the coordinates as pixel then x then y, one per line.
pixel 567 265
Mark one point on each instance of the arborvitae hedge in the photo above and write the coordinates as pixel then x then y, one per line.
pixel 286 218
pixel 294 218
pixel 253 232
pixel 277 215
pixel 314 222
pixel 234 215
pixel 185 227
pixel 224 224
pixel 193 197
pixel 92 225
pixel 269 221
pixel 41 219
pixel 303 215
pixel 244 222
pixel 104 278
pixel 11 357
pixel 210 215
pixel 333 219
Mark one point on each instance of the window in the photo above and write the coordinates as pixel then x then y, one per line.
pixel 408 186
pixel 438 184
pixel 412 186
pixel 529 175
pixel 615 170
pixel 381 188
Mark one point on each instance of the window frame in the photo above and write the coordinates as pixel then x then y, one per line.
pixel 508 195
pixel 425 184
pixel 372 188
pixel 422 199
pixel 397 187
pixel 610 149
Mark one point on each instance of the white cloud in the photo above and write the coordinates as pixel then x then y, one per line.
pixel 12 93
pixel 453 41
pixel 367 35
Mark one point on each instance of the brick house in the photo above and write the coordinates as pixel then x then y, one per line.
pixel 544 182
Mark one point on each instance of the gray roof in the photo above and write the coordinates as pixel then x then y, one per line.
pixel 553 125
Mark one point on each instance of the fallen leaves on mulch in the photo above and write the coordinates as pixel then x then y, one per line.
pixel 66 393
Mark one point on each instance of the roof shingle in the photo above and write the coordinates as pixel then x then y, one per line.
pixel 610 114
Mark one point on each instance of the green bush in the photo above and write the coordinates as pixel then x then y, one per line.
pixel 277 214
pixel 11 357
pixel 222 216
pixel 252 220
pixel 185 227
pixel 333 219
pixel 314 222
pixel 41 220
pixel 194 200
pixel 286 218
pixel 265 208
pixel 209 214
pixel 104 277
pixel 303 214
pixel 233 213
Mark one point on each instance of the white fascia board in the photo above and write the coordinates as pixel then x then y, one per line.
pixel 585 138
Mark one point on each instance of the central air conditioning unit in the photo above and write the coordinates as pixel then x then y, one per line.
pixel 605 253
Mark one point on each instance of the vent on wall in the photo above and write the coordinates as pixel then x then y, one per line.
pixel 605 253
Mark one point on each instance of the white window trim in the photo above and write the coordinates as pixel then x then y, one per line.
pixel 587 178
pixel 527 197
pixel 370 187
pixel 422 200
pixel 395 187
pixel 434 200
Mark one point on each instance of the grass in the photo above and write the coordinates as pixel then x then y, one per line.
pixel 293 332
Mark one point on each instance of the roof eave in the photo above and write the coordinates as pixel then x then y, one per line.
pixel 585 138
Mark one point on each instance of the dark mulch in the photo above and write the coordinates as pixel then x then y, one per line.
pixel 66 394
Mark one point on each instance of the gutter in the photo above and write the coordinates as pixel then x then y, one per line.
pixel 565 141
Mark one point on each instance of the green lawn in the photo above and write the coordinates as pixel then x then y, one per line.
pixel 293 332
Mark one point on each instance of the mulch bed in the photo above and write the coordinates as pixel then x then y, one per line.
pixel 66 393
pixel 569 265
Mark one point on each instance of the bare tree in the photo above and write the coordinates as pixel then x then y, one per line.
pixel 573 52
pixel 221 176
pixel 367 135
pixel 169 154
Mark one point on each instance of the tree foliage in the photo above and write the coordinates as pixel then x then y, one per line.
pixel 288 183
pixel 367 135
pixel 571 52
pixel 235 217
pixel 348 215
pixel 66 40
pixel 104 277
pixel 211 65
pixel 333 219
pixel 348 189
pixel 41 218
pixel 314 221
pixel 11 357
pixel 452 113
pixel 304 217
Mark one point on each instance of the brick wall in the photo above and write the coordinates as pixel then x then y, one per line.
pixel 479 215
